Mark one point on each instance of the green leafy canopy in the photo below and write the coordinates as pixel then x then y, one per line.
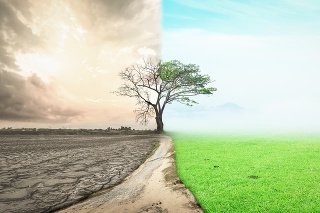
pixel 155 85
pixel 182 81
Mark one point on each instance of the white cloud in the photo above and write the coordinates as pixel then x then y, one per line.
pixel 275 78
pixel 43 65
pixel 146 52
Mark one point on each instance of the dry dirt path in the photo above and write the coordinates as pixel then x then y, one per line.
pixel 45 173
pixel 153 187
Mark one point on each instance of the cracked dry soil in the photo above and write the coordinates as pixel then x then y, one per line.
pixel 47 173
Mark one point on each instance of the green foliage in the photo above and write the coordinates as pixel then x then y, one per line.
pixel 181 81
pixel 241 173
pixel 156 85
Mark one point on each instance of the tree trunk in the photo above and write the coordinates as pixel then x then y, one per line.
pixel 159 123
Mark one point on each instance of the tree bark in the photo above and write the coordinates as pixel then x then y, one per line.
pixel 159 123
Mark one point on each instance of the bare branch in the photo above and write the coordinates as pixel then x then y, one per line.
pixel 154 85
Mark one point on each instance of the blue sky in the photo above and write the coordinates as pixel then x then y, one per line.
pixel 243 17
pixel 263 56
pixel 62 59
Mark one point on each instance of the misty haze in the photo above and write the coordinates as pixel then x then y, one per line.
pixel 159 106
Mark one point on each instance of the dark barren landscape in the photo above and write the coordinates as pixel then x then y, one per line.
pixel 44 173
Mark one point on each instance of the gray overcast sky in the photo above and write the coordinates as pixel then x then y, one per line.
pixel 59 60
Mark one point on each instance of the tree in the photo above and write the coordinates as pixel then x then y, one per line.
pixel 155 85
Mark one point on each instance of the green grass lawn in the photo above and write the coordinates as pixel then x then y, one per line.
pixel 242 173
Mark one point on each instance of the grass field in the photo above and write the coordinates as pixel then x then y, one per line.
pixel 246 173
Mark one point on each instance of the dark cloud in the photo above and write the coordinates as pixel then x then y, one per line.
pixel 14 34
pixel 77 35
pixel 123 21
pixel 92 13
pixel 31 100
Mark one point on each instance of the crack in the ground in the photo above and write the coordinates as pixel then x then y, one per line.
pixel 45 177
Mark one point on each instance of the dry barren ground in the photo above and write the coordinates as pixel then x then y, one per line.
pixel 154 188
pixel 46 173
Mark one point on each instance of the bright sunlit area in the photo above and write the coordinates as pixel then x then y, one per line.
pixel 261 56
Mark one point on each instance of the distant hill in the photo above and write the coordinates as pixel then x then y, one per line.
pixel 229 107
